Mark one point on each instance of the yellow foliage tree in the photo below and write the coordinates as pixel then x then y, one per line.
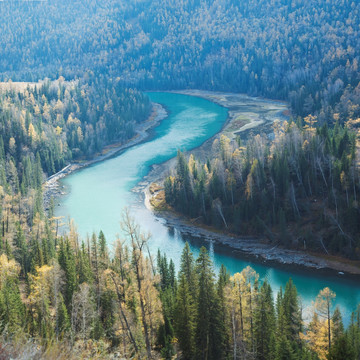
pixel 310 122
pixel 32 133
pixel 9 269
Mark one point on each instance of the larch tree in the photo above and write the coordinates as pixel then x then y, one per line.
pixel 323 306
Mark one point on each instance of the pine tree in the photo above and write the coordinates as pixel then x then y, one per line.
pixel 38 174
pixel 184 317
pixel 83 266
pixel 36 255
pixel 95 266
pixel 163 269
pixel 264 319
pixel 107 314
pixel 103 251
pixel 284 350
pixel 62 318
pixel 222 285
pixel 353 332
pixel 11 307
pixel 341 349
pixel 187 268
pixel 67 262
pixel 289 316
pixel 209 338
pixel 337 327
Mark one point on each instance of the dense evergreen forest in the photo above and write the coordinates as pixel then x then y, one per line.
pixel 74 300
pixel 54 122
pixel 299 189
pixel 305 52
pixel 62 297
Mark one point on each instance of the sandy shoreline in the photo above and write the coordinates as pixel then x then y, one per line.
pixel 53 189
pixel 253 248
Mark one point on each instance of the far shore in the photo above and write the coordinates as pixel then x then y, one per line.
pixel 241 117
pixel 253 248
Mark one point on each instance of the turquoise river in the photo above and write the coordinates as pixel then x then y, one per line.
pixel 98 194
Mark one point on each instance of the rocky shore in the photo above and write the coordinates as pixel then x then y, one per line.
pixel 256 249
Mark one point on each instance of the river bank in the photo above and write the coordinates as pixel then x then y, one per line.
pixel 53 189
pixel 239 122
pixel 256 249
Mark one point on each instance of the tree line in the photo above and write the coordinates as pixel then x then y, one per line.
pixel 299 189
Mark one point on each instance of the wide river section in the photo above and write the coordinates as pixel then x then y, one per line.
pixel 97 195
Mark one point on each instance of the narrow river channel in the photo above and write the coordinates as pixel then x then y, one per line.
pixel 96 196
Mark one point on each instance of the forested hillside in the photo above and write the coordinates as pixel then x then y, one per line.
pixel 43 127
pixel 63 297
pixel 55 122
pixel 74 300
pixel 299 190
pixel 303 51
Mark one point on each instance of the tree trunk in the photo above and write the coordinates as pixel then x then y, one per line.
pixel 123 314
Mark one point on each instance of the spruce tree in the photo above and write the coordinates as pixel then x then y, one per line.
pixel 21 251
pixel 84 271
pixel 223 281
pixel 67 262
pixel 184 317
pixel 209 334
pixel 289 319
pixel 11 307
pixel 337 325
pixel 341 349
pixel 103 251
pixel 264 324
pixel 187 268
pixel 62 318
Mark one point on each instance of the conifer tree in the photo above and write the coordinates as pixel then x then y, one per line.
pixel 11 307
pixel 187 268
pixel 84 271
pixel 264 326
pixel 67 262
pixel 337 325
pixel 185 317
pixel 103 251
pixel 209 335
pixel 63 324
pixel 323 305
pixel 341 349
pixel 222 288
pixel 289 316
pixel 21 251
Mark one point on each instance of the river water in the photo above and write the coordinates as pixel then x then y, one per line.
pixel 98 194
